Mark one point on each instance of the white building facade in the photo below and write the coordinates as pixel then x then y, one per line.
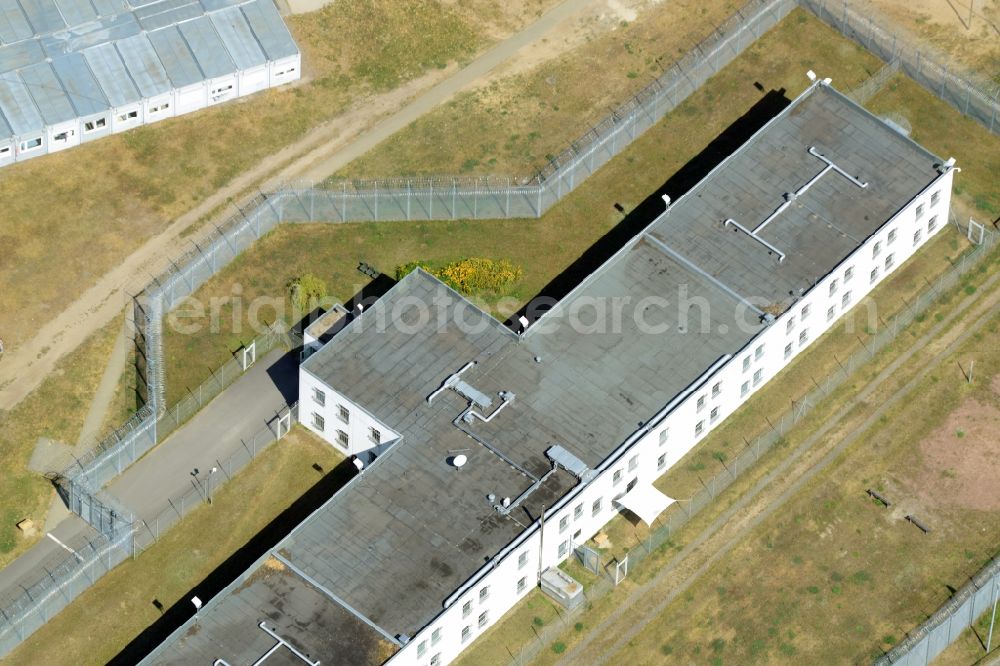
pixel 654 449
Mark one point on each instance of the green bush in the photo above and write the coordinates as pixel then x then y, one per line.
pixel 472 276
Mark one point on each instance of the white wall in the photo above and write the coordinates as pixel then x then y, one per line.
pixel 63 135
pixel 253 80
pixel 284 71
pixel 126 117
pixel 565 525
pixel 357 427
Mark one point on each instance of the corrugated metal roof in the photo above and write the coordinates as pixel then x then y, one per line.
pixel 239 39
pixel 167 12
pixel 20 55
pixel 84 92
pixel 45 88
pixel 176 57
pixel 111 74
pixel 43 15
pixel 18 107
pixel 5 130
pixel 76 11
pixel 208 49
pixel 144 65
pixel 115 52
pixel 14 24
pixel 271 32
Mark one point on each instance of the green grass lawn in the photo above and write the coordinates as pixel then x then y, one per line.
pixel 121 603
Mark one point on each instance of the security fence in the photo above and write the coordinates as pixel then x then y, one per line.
pixel 64 578
pixel 148 530
pixel 418 199
pixel 940 630
pixel 979 101
pixel 659 537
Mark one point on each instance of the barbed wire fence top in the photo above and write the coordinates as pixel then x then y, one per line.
pixel 423 198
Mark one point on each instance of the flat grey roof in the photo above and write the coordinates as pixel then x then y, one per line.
pixel 79 36
pixel 290 607
pixel 408 531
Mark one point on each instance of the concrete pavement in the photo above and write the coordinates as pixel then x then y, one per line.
pixel 214 434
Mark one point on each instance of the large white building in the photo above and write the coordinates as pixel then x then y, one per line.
pixel 72 71
pixel 489 453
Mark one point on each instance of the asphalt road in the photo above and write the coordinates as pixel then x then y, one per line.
pixel 218 431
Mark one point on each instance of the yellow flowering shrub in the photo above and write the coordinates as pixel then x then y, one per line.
pixel 472 276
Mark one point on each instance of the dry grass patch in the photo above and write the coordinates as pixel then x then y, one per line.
pixel 121 603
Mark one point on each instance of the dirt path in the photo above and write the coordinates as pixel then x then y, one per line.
pixel 771 492
pixel 314 157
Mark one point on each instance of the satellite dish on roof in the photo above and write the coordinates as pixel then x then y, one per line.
pixel 459 460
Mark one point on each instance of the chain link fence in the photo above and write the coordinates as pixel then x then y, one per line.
pixel 149 530
pixel 660 536
pixel 940 630
pixel 977 100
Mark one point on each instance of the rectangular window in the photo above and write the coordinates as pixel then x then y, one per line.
pixel 563 548
pixel 757 377
pixel 563 523
pixel 436 636
pixel 803 336
pixel 805 312
pixel 130 115
pixel 714 414
pixel 746 364
pixel 318 422
pixel 889 260
pixel 716 389
pixel 522 560
pixel 466 633
pixel 616 477
pixel 744 389
pixel 701 403
pixel 61 137
pixel 484 617
pixel 436 660
pixel 633 462
pixel 920 211
pixel 375 435
pixel 521 584
pixel 932 224
pixel 31 144
pixel 319 397
pixel 421 648
pixel 161 107
pixel 661 462
pixel 92 125
pixel 759 352
pixel 848 274
pixel 467 608
pixel 788 350
pixel 342 438
pixel 935 197
pixel 831 312
pixel 595 508
pixel 699 428
pixel 891 238
pixel 484 593
pixel 833 287
pixel 876 249
pixel 663 436
pixel 845 300
pixel 578 512
pixel 789 325
pixel 874 275
pixel 344 413
pixel 916 237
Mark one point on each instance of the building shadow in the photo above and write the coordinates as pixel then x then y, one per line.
pixel 237 563
pixel 724 145
pixel 284 373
